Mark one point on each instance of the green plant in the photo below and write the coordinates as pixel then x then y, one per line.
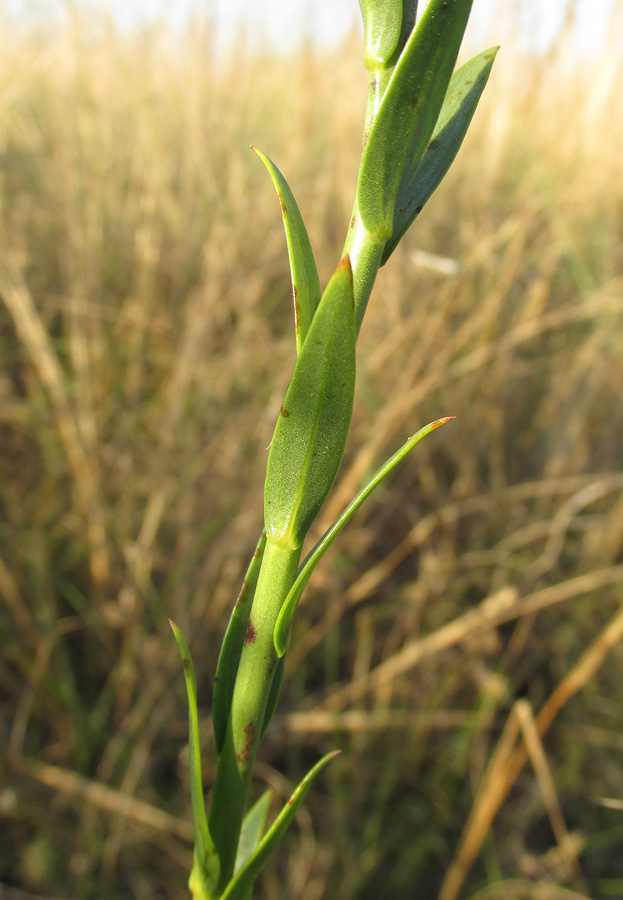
pixel 417 115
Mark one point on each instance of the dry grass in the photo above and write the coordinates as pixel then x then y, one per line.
pixel 468 623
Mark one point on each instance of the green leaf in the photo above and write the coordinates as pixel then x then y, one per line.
pixel 310 435
pixel 464 92
pixel 206 868
pixel 409 111
pixel 252 828
pixel 240 886
pixel 381 29
pixel 283 625
pixel 305 282
pixel 273 697
pixel 233 642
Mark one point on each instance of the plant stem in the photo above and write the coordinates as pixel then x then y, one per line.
pixel 252 688
pixel 365 251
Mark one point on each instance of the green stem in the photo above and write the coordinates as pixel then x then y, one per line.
pixel 365 251
pixel 252 688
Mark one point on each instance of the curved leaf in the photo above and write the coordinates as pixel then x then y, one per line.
pixel 240 886
pixel 310 435
pixel 283 625
pixel 464 92
pixel 206 868
pixel 409 110
pixel 231 648
pixel 305 282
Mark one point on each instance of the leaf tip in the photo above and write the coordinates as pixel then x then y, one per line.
pixel 345 268
pixel 280 638
pixel 345 264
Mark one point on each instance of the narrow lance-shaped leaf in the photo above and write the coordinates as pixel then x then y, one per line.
pixel 409 110
pixel 241 885
pixel 252 828
pixel 231 648
pixel 305 282
pixel 310 435
pixel 284 622
pixel 464 92
pixel 206 868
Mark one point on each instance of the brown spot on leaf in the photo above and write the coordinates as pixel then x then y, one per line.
pixel 249 731
pixel 418 209
pixel 284 412
pixel 241 596
pixel 432 145
pixel 251 635
pixel 297 309
pixel 186 664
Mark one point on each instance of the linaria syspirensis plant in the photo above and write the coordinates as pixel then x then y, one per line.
pixel 417 114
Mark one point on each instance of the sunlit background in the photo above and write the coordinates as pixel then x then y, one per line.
pixel 462 643
pixel 285 23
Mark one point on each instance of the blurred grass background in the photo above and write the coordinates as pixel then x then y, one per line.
pixel 462 644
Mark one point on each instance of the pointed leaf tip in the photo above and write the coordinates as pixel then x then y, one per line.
pixel 241 885
pixel 305 282
pixel 283 626
pixel 252 829
pixel 422 177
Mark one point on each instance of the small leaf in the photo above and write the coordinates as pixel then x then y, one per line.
pixel 305 282
pixel 240 886
pixel 231 648
pixel 252 828
pixel 381 29
pixel 464 92
pixel 310 435
pixel 283 625
pixel 205 873
pixel 409 110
